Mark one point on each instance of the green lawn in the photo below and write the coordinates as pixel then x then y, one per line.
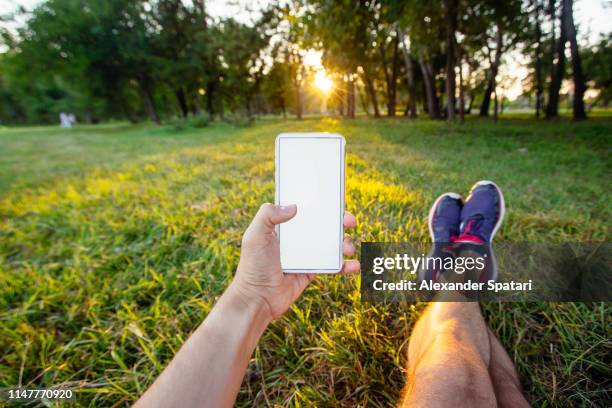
pixel 115 241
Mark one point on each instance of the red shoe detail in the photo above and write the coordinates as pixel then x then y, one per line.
pixel 468 227
pixel 467 238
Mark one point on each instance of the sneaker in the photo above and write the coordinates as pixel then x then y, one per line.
pixel 481 217
pixel 444 218
pixel 482 214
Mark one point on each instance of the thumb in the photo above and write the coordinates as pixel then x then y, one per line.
pixel 269 215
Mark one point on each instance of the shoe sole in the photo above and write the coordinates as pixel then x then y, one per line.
pixel 432 210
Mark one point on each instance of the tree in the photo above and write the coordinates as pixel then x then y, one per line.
pixel 597 62
pixel 100 52
pixel 558 70
pixel 113 58
pixel 277 86
pixel 539 87
pixel 577 74
pixel 346 31
pixel 395 14
pixel 424 22
pixel 568 33
pixel 506 23
pixel 241 64
pixel 172 48
pixel 409 68
pixel 451 46
pixel 390 70
pixel 291 34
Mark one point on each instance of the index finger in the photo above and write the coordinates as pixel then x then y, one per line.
pixel 349 220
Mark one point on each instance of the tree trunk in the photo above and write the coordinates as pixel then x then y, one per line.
pixel 371 91
pixel 283 107
pixel 472 97
pixel 247 107
pixel 425 100
pixel 347 99
pixel 364 102
pixel 149 102
pixel 296 78
pixel 195 103
pixel 486 100
pixel 393 85
pixel 552 12
pixel 461 87
pixel 433 110
pixel 182 101
pixel 353 97
pixel 211 89
pixel 219 102
pixel 298 99
pixel 491 84
pixel 552 110
pixel 350 97
pixel 579 85
pixel 495 105
pixel 538 61
pixel 409 74
pixel 388 81
pixel 451 17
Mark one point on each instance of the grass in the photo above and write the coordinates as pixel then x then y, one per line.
pixel 116 240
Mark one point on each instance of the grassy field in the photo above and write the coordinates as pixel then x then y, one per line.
pixel 116 240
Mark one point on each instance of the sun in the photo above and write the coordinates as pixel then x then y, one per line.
pixel 323 82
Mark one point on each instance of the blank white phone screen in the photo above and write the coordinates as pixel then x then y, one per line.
pixel 310 174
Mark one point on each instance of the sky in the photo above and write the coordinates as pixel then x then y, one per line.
pixel 592 18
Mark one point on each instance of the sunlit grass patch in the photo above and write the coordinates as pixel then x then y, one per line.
pixel 385 210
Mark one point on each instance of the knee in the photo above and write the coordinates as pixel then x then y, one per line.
pixel 449 384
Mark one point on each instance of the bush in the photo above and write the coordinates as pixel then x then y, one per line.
pixel 178 123
pixel 199 121
pixel 239 120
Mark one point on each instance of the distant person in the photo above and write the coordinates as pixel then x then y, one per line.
pixel 454 359
pixel 65 120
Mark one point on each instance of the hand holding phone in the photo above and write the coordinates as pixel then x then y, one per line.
pixel 259 278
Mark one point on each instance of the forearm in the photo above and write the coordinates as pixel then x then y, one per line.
pixel 209 368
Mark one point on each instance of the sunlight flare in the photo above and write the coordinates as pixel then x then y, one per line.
pixel 323 82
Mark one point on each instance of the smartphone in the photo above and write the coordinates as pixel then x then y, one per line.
pixel 310 174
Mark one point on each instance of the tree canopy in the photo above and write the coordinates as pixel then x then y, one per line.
pixel 117 59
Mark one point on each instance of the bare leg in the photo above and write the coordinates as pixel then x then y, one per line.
pixel 454 359
pixel 504 376
pixel 448 358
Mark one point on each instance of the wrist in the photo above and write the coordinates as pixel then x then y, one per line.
pixel 256 305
